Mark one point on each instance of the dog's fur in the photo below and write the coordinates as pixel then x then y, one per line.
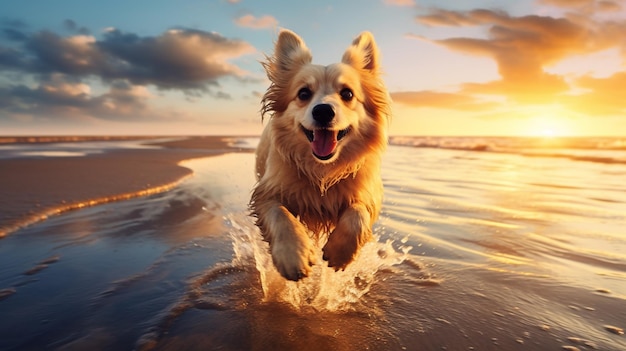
pixel 318 169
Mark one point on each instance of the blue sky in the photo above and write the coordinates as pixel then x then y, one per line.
pixel 530 67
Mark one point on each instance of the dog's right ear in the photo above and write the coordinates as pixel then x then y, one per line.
pixel 290 51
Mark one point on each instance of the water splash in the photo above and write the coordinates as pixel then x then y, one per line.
pixel 325 289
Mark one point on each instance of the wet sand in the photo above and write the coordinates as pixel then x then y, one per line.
pixel 34 188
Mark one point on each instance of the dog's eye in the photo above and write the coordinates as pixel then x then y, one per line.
pixel 305 94
pixel 346 94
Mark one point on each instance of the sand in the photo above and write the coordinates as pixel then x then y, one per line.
pixel 34 188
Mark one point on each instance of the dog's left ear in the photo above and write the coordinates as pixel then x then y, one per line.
pixel 363 54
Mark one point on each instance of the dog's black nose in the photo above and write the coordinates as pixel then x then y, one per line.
pixel 323 114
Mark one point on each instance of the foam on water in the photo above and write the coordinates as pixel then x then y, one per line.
pixel 325 289
pixel 607 150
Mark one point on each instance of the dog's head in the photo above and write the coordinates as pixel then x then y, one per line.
pixel 329 110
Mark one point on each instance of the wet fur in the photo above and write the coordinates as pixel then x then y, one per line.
pixel 298 195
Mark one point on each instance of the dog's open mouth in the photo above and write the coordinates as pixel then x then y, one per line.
pixel 324 141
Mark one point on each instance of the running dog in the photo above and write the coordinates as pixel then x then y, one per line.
pixel 319 157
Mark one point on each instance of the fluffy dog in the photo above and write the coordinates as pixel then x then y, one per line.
pixel 318 160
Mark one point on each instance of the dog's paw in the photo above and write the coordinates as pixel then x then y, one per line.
pixel 340 250
pixel 293 258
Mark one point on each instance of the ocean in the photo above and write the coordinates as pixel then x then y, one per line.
pixel 482 244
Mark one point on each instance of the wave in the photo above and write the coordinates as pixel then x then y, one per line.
pixel 606 150
pixel 585 158
pixel 45 213
pixel 496 143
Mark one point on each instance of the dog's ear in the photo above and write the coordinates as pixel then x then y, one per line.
pixel 290 51
pixel 290 54
pixel 363 53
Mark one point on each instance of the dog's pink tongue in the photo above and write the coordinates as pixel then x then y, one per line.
pixel 324 142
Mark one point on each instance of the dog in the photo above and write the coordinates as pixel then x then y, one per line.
pixel 319 157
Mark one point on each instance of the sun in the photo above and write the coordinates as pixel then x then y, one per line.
pixel 548 133
pixel 550 128
pixel 547 121
pixel 550 125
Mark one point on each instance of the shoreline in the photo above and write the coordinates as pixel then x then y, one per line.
pixel 49 139
pixel 35 189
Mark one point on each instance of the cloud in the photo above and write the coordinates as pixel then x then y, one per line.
pixel 442 17
pixel 47 74
pixel 73 27
pixel 179 59
pixel 249 21
pixel 399 2
pixel 541 88
pixel 603 96
pixel 55 92
pixel 222 95
pixel 433 99
pixel 526 49
pixel 609 6
pixel 567 3
pixel 523 47
pixel 590 5
pixel 124 100
pixel 62 96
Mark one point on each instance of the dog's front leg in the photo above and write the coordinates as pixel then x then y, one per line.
pixel 353 230
pixel 290 245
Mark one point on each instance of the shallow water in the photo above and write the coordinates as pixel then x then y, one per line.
pixel 70 148
pixel 482 250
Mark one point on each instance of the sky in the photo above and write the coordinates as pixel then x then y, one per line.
pixel 193 67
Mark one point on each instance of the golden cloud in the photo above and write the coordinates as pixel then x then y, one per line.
pixel 249 21
pixel 453 101
pixel 602 5
pixel 400 2
pixel 523 47
pixel 604 96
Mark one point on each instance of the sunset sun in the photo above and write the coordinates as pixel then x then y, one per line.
pixel 549 122
pixel 548 133
pixel 550 127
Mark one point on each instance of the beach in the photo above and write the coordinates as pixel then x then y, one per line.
pixel 34 188
pixel 490 244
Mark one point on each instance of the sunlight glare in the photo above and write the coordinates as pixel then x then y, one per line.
pixel 549 127
pixel 549 122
